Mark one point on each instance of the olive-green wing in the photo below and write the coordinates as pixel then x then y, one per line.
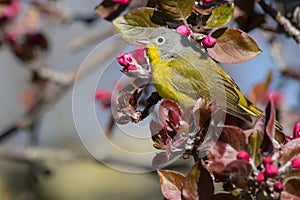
pixel 205 79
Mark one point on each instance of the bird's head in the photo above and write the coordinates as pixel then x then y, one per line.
pixel 165 41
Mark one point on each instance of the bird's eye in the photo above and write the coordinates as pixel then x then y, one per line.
pixel 160 40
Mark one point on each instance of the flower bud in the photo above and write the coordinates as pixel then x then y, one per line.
pixel 183 30
pixel 295 163
pixel 276 97
pixel 207 1
pixel 104 97
pixel 131 67
pixel 243 155
pixel 12 9
pixel 260 177
pixel 125 59
pixel 208 41
pixel 271 171
pixel 11 37
pixel 278 187
pixel 267 161
pixel 296 132
pixel 122 1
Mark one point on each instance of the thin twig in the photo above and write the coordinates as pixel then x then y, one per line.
pixel 281 20
pixel 51 96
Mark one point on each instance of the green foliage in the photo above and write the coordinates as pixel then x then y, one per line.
pixel 220 15
pixel 255 142
pixel 132 26
pixel 176 10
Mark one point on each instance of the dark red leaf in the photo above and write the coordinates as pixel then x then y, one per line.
pixel 267 143
pixel 238 168
pixel 169 113
pixel 235 137
pixel 221 155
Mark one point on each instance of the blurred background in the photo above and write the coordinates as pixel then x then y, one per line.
pixel 54 157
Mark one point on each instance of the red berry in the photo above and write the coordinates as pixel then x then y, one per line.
pixel 296 132
pixel 209 41
pixel 183 30
pixel 278 187
pixel 271 171
pixel 267 161
pixel 260 177
pixel 296 163
pixel 243 155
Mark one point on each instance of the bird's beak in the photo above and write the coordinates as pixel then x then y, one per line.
pixel 144 41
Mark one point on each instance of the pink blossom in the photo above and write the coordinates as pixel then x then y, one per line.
pixel 104 97
pixel 122 1
pixel 13 9
pixel 296 163
pixel 275 96
pixel 296 131
pixel 129 68
pixel 183 30
pixel 209 41
pixel 207 1
pixel 125 59
pixel 11 37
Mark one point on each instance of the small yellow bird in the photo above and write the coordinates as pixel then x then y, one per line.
pixel 183 72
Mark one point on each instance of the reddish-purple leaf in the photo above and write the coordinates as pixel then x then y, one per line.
pixel 270 120
pixel 235 137
pixel 159 160
pixel 292 187
pixel 289 150
pixel 267 143
pixel 168 148
pixel 287 196
pixel 169 113
pixel 238 168
pixel 202 110
pixel 221 155
pixel 171 184
pixel 233 46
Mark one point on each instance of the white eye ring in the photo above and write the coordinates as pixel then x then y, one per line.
pixel 160 40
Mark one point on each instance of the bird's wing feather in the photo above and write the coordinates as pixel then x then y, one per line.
pixel 206 82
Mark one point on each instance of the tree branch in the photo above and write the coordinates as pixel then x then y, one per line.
pixel 62 83
pixel 281 20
